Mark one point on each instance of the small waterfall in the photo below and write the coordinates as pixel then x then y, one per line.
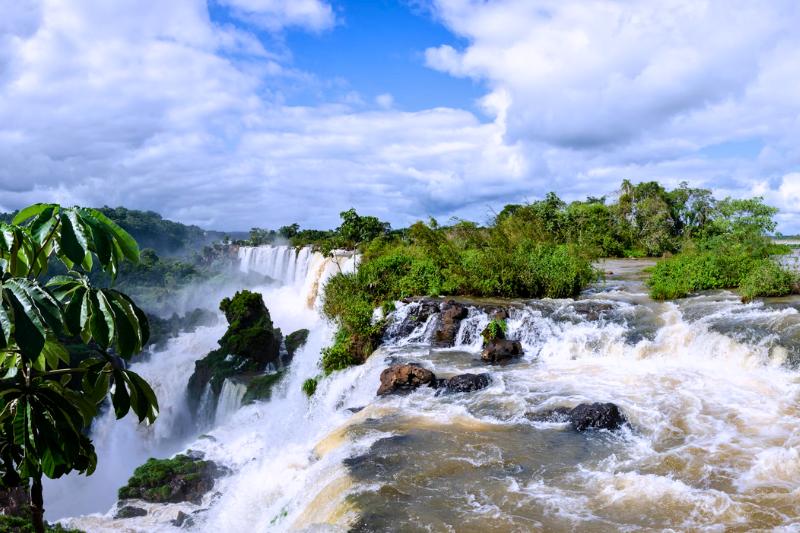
pixel 230 399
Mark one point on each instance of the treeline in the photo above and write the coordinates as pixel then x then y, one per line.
pixel 545 248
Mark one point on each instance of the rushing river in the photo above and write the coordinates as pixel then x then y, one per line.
pixel 708 385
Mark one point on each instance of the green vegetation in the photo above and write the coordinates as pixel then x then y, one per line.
pixel 249 344
pixel 260 387
pixel 310 386
pixel 496 329
pixel 767 278
pixel 47 398
pixel 731 251
pixel 19 524
pixel 181 478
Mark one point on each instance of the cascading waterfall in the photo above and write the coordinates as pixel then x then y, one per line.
pixel 123 445
pixel 707 385
pixel 230 399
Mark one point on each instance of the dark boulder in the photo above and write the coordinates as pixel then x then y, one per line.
pixel 405 378
pixel 449 321
pixel 180 479
pixel 293 342
pixel 129 511
pixel 499 350
pixel 467 383
pixel 182 519
pixel 596 416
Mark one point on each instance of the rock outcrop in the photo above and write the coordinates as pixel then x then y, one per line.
pixel 466 383
pixel 500 350
pixel 405 378
pixel 596 416
pixel 129 511
pixel 452 313
pixel 183 478
pixel 584 416
pixel 249 345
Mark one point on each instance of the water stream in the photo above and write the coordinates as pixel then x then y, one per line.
pixel 708 385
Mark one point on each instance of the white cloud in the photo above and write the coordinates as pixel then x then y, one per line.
pixel 143 106
pixel 599 90
pixel 385 100
pixel 152 105
pixel 275 15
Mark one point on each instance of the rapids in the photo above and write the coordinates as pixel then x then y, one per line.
pixel 709 386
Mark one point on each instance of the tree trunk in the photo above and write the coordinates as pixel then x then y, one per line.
pixel 37 505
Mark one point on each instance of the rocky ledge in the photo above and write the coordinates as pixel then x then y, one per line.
pixel 404 378
pixel 184 478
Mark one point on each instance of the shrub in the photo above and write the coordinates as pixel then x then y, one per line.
pixel 767 278
pixel 310 386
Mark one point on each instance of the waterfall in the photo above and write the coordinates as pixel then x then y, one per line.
pixel 230 399
pixel 123 445
pixel 706 384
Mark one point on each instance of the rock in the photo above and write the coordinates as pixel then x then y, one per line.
pixel 355 410
pixel 452 313
pixel 404 378
pixel 596 416
pixel 293 342
pixel 500 314
pixel 129 511
pixel 467 382
pixel 180 479
pixel 419 314
pixel 249 345
pixel 182 519
pixel 499 350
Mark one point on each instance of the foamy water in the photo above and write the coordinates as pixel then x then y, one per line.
pixel 706 383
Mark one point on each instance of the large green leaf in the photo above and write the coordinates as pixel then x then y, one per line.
pixel 5 324
pixel 29 212
pixel 29 332
pixel 73 241
pixel 125 241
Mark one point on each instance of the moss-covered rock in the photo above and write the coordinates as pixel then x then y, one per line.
pixel 180 479
pixel 260 387
pixel 248 346
pixel 294 341
pixel 250 332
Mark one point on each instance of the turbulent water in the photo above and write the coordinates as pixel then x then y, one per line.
pixel 708 385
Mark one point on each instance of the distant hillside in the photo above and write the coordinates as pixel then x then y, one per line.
pixel 151 230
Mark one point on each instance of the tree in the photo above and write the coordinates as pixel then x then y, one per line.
pixel 356 229
pixel 46 401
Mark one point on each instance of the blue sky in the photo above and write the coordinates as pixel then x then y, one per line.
pixel 236 113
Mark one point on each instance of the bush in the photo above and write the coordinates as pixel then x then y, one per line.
pixel 310 386
pixel 767 278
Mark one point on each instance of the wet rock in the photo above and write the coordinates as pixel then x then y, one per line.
pixel 467 383
pixel 449 321
pixel 355 410
pixel 180 479
pixel 592 310
pixel 557 415
pixel 182 520
pixel 499 350
pixel 596 416
pixel 293 342
pixel 404 378
pixel 129 511
pixel 418 315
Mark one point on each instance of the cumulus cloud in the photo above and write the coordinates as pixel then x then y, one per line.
pixel 637 88
pixel 155 105
pixel 278 14
pixel 151 106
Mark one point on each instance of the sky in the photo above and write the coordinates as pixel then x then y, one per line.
pixel 231 114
